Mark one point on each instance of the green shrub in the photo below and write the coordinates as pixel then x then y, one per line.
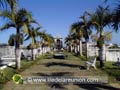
pixel 6 74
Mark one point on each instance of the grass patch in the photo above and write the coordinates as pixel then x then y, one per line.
pixel 83 58
pixel 112 71
pixel 7 73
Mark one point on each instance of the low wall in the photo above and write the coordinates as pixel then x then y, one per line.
pixel 112 54
pixel 7 50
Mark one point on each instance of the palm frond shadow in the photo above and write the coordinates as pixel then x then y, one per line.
pixel 96 87
pixel 58 86
pixel 54 74
pixel 65 65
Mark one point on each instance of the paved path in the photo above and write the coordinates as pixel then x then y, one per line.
pixel 56 67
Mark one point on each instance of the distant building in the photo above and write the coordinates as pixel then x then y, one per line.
pixel 58 45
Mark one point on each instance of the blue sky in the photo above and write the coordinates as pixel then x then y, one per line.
pixel 56 16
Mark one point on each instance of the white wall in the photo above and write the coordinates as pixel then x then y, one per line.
pixel 110 54
pixel 7 50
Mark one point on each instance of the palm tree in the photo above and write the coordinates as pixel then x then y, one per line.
pixel 18 20
pixel 47 41
pixel 32 33
pixel 86 30
pixel 50 40
pixel 69 43
pixel 73 42
pixel 77 32
pixel 100 19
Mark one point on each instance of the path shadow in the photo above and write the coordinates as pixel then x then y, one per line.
pixel 96 87
pixel 54 74
pixel 64 65
pixel 56 86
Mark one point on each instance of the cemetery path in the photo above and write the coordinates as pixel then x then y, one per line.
pixel 72 66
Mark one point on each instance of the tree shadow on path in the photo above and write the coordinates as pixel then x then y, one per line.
pixel 55 86
pixel 64 65
pixel 96 87
pixel 54 74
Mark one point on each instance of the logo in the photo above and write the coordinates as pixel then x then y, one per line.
pixel 17 79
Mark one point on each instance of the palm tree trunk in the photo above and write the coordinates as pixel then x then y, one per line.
pixel 75 49
pixel 42 50
pixel 17 56
pixel 80 47
pixel 87 49
pixel 102 51
pixel 68 48
pixel 102 56
pixel 17 49
pixel 33 54
pixel 71 48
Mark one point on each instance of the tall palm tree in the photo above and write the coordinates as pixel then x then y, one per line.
pixel 86 30
pixel 18 20
pixel 69 43
pixel 50 42
pixel 77 32
pixel 32 33
pixel 73 42
pixel 100 19
pixel 47 41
